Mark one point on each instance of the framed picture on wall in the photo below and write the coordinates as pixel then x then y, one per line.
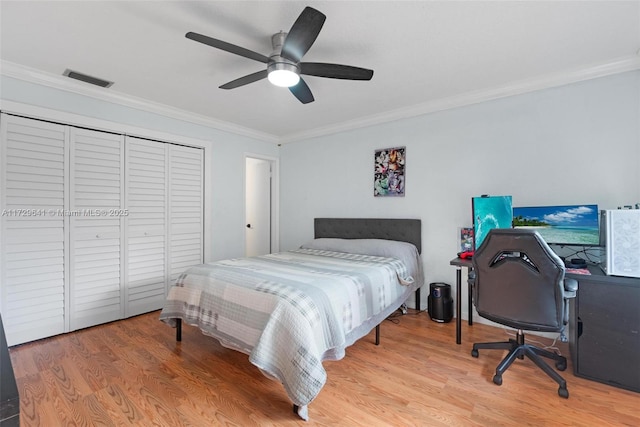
pixel 388 175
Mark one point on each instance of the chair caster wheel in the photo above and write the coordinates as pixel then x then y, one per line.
pixel 474 353
pixel 563 392
pixel 497 379
pixel 561 366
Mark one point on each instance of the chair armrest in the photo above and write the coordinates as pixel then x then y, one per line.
pixel 570 287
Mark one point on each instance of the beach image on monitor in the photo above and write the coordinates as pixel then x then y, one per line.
pixel 561 224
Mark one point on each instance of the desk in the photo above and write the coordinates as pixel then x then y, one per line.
pixel 459 263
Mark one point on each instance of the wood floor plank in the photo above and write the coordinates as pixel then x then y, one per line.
pixel 35 407
pixel 134 373
pixel 119 407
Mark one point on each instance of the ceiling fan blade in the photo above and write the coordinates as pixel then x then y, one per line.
pixel 245 80
pixel 302 92
pixel 302 34
pixel 228 47
pixel 335 71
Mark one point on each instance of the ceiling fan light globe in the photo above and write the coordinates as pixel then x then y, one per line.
pixel 283 78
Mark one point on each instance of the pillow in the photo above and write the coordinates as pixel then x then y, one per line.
pixel 404 251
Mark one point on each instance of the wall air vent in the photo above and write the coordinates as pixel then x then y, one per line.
pixel 87 79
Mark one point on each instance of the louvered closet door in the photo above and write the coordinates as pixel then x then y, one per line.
pixel 185 208
pixel 33 257
pixel 147 225
pixel 96 217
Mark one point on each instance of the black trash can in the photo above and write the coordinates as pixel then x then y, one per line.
pixel 440 303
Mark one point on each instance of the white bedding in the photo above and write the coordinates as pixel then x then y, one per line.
pixel 292 310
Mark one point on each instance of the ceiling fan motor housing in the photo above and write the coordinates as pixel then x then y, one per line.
pixel 277 62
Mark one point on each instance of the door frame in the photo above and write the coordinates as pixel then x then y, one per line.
pixel 275 196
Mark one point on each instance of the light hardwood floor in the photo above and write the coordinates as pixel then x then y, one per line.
pixel 132 372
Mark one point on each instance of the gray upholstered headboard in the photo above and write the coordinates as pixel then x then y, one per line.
pixel 404 230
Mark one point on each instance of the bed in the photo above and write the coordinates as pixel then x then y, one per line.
pixel 292 310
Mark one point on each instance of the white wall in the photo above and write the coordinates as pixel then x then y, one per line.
pixel 578 143
pixel 224 151
pixel 573 144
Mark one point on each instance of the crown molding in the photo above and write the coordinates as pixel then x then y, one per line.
pixel 621 65
pixel 32 75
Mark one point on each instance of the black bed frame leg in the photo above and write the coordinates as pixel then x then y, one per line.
pixel 178 329
pixel 378 334
pixel 418 299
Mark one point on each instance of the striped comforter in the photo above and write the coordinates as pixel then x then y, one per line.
pixel 290 311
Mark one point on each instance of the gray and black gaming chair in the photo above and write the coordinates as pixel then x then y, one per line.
pixel 518 281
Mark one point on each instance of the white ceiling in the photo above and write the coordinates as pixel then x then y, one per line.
pixel 427 55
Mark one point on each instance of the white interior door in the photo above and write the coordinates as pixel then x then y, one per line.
pixel 92 226
pixel 186 217
pixel 33 270
pixel 258 206
pixel 146 225
pixel 96 182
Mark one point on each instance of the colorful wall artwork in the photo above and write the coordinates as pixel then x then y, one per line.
pixel 389 177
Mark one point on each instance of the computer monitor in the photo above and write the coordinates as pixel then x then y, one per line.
pixel 571 225
pixel 490 212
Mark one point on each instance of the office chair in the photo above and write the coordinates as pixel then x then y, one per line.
pixel 518 281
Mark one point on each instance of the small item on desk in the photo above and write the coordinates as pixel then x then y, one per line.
pixel 465 255
pixel 576 266
pixel 466 239
pixel 575 263
pixel 584 271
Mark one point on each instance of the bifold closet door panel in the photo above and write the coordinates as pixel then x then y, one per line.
pixel 33 228
pixel 146 193
pixel 96 218
pixel 186 209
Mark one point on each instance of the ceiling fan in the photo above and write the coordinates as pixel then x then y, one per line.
pixel 284 65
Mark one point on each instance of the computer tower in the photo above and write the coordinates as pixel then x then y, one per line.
pixel 620 235
pixel 440 303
